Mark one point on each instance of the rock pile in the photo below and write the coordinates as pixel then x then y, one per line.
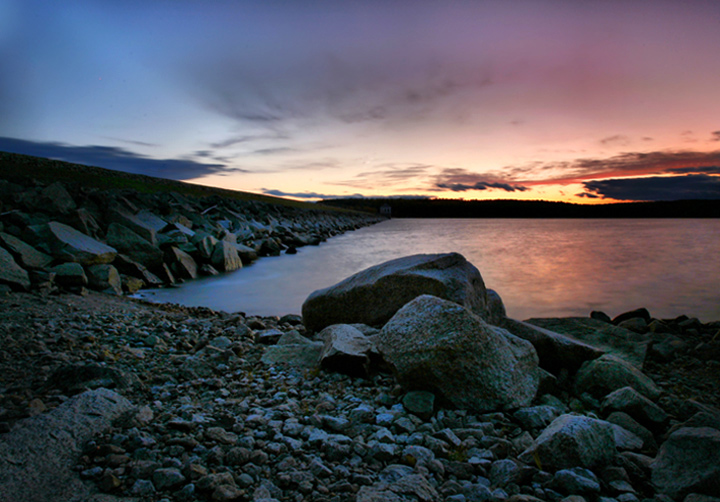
pixel 437 403
pixel 122 240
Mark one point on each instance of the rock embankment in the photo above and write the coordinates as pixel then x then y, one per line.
pixel 229 407
pixel 71 237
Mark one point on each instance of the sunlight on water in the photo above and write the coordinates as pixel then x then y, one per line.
pixel 540 268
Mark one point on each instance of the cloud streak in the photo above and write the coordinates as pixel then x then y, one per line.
pixel 462 180
pixel 117 159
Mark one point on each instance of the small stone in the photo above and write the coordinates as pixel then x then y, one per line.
pixel 420 403
pixel 168 477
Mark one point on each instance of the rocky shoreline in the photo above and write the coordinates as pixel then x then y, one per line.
pixel 107 398
pixel 68 236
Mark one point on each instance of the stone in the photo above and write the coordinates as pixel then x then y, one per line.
pixel 137 225
pixel 304 355
pixel 630 401
pixel 609 373
pixel 626 440
pixel 628 423
pixel 70 275
pixel 572 441
pixel 247 254
pixel 133 245
pixel 345 350
pixel 576 481
pixel 620 342
pixel 11 273
pixel 182 264
pixel 268 336
pixel 105 278
pixel 225 257
pixel 537 417
pixel 25 255
pixel 38 453
pixel 374 295
pixel 555 351
pixel 69 244
pixel 398 485
pixel 167 477
pixel 420 403
pixel 688 462
pixel 437 345
pixel 641 313
pixel 503 472
pixel 55 199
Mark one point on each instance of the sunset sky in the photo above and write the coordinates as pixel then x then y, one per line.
pixel 583 101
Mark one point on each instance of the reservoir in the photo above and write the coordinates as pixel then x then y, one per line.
pixel 540 267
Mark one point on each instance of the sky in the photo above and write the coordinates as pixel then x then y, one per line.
pixel 582 101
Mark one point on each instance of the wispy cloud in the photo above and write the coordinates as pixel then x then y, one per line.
pixel 616 140
pixel 389 175
pixel 694 186
pixel 715 136
pixel 117 159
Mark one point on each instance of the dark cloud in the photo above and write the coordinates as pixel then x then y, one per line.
pixel 481 185
pixel 587 195
pixel 462 180
pixel 715 136
pixel 625 164
pixel 115 158
pixel 275 150
pixel 307 195
pixel 694 186
pixel 696 170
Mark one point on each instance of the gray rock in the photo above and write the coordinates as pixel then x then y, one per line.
pixel 437 345
pixel 304 355
pixel 137 225
pixel 26 255
pixel 246 253
pixel 420 403
pixel 11 273
pixel 688 462
pixel 69 244
pixel 104 278
pixel 576 481
pixel 374 295
pixel 56 199
pixel 573 441
pixel 345 351
pixel 39 452
pixel 167 477
pixel 623 343
pixel 225 257
pixel 133 245
pixel 555 351
pixel 398 485
pixel 628 423
pixel 537 417
pixel 70 275
pixel 630 401
pixel 609 373
pixel 503 472
pixel 626 440
pixel 182 264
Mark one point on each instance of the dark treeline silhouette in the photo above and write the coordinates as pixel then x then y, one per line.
pixel 456 208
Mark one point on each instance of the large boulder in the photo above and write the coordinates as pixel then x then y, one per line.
pixel 688 462
pixel 39 452
pixel 555 351
pixel 136 224
pixel 133 245
pixel 105 278
pixel 72 245
pixel 609 373
pixel 25 254
pixel 573 441
pixel 437 345
pixel 55 199
pixel 181 263
pixel 640 408
pixel 374 295
pixel 11 273
pixel 615 340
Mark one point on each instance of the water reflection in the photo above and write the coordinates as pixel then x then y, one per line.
pixel 541 268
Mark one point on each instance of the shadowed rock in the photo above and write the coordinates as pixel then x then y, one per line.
pixel 374 295
pixel 72 245
pixel 439 346
pixel 11 273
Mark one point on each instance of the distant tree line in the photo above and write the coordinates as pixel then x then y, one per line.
pixel 458 208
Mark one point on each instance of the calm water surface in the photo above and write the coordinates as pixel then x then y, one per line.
pixel 540 268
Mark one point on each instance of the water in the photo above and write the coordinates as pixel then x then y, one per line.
pixel 540 268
